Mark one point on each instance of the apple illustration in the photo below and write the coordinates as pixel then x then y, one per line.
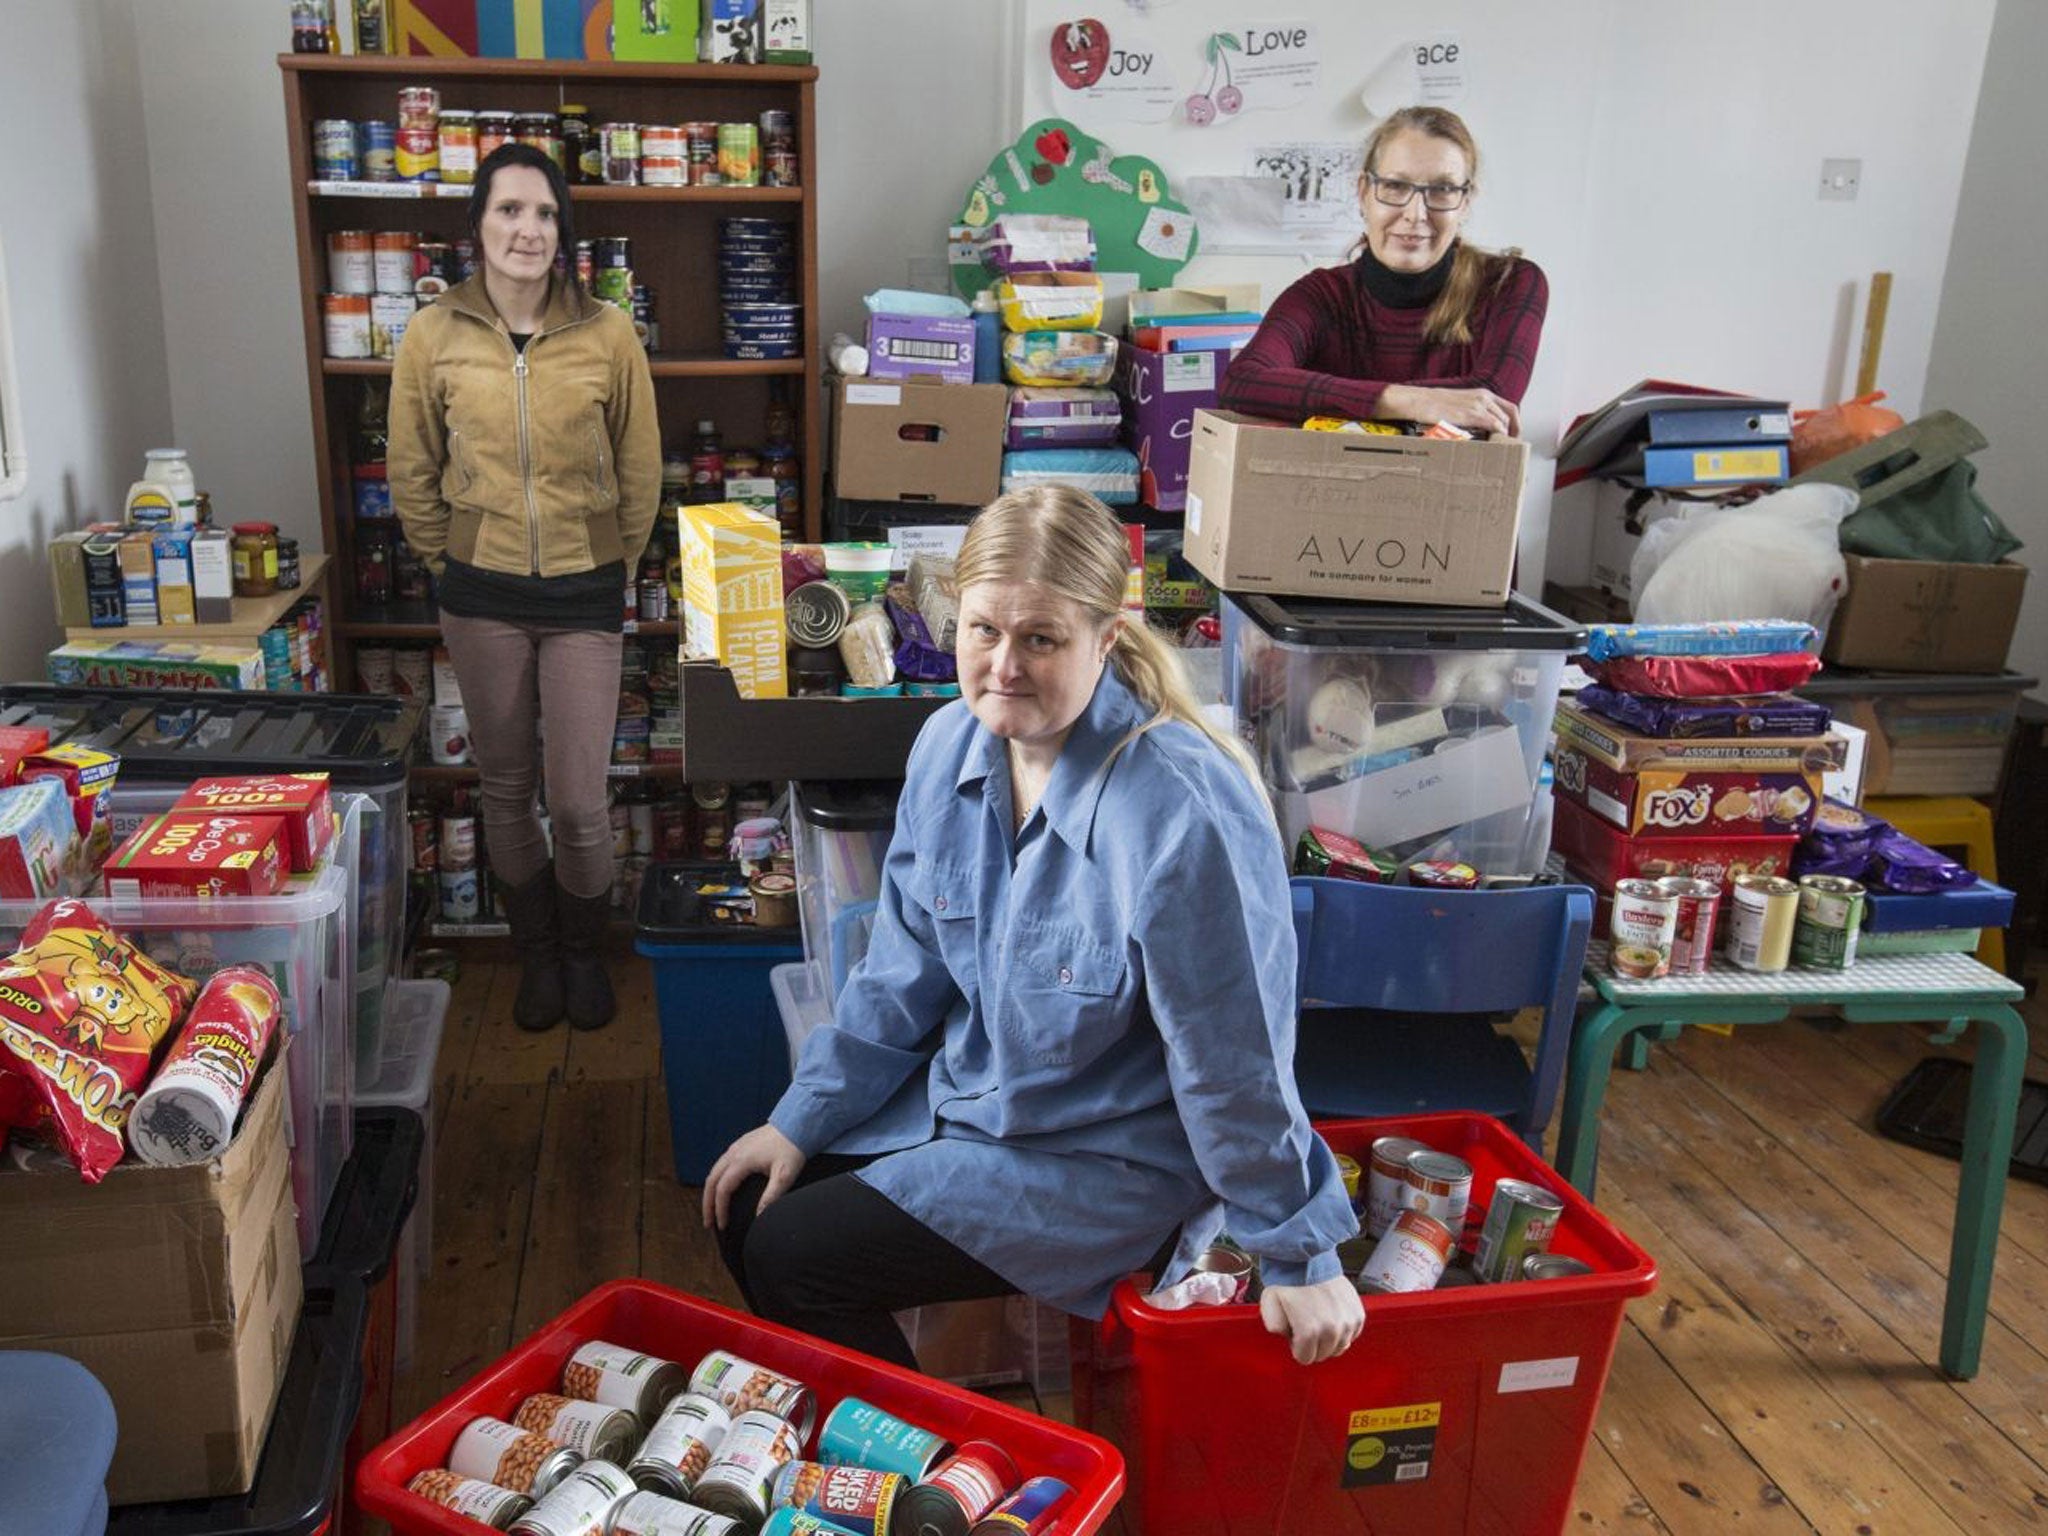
pixel 1080 52
pixel 1054 145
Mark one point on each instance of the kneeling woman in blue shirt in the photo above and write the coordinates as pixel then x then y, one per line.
pixel 1068 1053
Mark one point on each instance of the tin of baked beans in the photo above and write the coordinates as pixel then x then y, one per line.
pixel 493 129
pixel 492 1451
pixel 623 1378
pixel 860 1500
pixel 390 315
pixel 741 1478
pixel 378 146
pixel 1439 1185
pixel 1386 1181
pixel 860 1434
pixel 1520 1220
pixel 418 157
pixel 1031 1511
pixel 1692 932
pixel 619 145
pixel 351 266
pixel 1411 1256
pixel 1553 1266
pixel 594 1431
pixel 1830 919
pixel 739 154
pixel 345 323
pixel 334 150
pixel 742 1386
pixel 961 1490
pixel 700 152
pixel 419 106
pixel 680 1445
pixel 394 258
pixel 1644 919
pixel 654 1514
pixel 484 1502
pixel 580 1505
pixel 1761 922
pixel 458 147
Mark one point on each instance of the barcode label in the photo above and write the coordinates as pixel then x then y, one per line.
pixel 1411 1471
pixel 911 348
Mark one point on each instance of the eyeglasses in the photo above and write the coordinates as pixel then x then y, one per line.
pixel 1437 196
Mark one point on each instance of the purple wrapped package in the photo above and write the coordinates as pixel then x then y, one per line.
pixel 1045 417
pixel 1779 714
pixel 918 658
pixel 1912 869
pixel 1037 242
pixel 1843 831
pixel 1807 861
pixel 903 346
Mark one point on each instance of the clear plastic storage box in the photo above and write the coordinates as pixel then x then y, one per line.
pixel 1420 732
pixel 415 1014
pixel 841 833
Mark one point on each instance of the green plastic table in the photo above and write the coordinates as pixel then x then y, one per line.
pixel 1951 990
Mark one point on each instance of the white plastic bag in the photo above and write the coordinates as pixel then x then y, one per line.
pixel 1776 558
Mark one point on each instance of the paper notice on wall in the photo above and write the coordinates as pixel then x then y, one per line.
pixel 1268 66
pixel 1318 188
pixel 1126 73
pixel 1427 71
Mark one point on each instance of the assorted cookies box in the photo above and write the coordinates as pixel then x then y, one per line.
pixel 1602 740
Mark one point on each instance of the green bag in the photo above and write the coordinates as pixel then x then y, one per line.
pixel 1917 495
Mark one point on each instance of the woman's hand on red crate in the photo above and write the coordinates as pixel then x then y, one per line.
pixel 1320 1321
pixel 763 1150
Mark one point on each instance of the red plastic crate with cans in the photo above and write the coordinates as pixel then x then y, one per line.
pixel 1463 1409
pixel 673 1326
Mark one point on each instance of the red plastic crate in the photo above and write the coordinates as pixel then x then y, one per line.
pixel 682 1328
pixel 1226 1435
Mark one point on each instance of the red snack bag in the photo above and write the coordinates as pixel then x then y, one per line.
pixel 1705 677
pixel 199 853
pixel 81 1012
pixel 300 800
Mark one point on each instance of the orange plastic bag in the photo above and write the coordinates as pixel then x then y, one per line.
pixel 1818 436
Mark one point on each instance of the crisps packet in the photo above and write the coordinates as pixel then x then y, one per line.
pixel 82 1011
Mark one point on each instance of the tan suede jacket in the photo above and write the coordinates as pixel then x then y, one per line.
pixel 542 463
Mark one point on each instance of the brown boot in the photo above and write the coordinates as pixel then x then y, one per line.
pixel 530 908
pixel 587 987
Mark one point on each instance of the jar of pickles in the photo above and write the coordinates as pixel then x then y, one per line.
pixel 254 554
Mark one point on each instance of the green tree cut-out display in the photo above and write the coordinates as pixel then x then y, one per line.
pixel 1056 168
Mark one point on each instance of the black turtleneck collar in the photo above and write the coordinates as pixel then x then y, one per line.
pixel 1404 290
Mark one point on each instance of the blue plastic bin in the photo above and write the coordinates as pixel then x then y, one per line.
pixel 723 1052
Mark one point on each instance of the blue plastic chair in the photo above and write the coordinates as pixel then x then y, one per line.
pixel 56 1442
pixel 1399 989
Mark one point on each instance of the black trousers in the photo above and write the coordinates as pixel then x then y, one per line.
pixel 834 1259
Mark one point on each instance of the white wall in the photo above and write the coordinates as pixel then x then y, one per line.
pixel 1988 355
pixel 82 278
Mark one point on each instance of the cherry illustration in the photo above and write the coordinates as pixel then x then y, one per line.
pixel 1229 99
pixel 1201 110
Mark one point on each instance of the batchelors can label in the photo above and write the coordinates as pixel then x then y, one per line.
pixel 1830 919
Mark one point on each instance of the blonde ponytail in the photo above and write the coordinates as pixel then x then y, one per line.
pixel 1154 672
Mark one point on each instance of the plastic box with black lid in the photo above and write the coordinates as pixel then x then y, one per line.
pixel 1418 731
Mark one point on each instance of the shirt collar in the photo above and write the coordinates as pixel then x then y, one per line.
pixel 1078 778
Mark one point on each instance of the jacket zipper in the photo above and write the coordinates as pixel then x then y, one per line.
pixel 526 464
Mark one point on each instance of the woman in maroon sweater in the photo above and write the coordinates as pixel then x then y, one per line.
pixel 1422 326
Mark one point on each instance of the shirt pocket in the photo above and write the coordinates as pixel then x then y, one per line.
pixel 946 896
pixel 1066 1000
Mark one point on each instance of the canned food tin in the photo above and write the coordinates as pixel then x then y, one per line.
pixel 492 1451
pixel 1410 1257
pixel 1386 1181
pixel 741 1386
pixel 1645 918
pixel 334 150
pixel 1830 919
pixel 620 149
pixel 390 315
pixel 426 846
pixel 493 129
pixel 662 141
pixel 419 154
pixel 739 154
pixel 345 322
pixel 741 1478
pixel 581 1505
pixel 962 1488
pixel 680 1445
pixel 459 895
pixel 1692 933
pixel 860 1434
pixel 592 1430
pixel 1353 1177
pixel 778 148
pixel 815 614
pixel 653 599
pixel 1553 1266
pixel 663 171
pixel 484 1502
pixel 1761 922
pixel 351 267
pixel 652 1514
pixel 394 260
pixel 458 140
pixel 1520 1220
pixel 1439 1185
pixel 448 734
pixel 1031 1511
pixel 1233 1265
pixel 379 150
pixel 458 851
pixel 860 1500
pixel 624 1378
pixel 700 152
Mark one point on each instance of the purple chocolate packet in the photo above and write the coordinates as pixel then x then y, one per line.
pixel 1841 831
pixel 918 659
pixel 1912 869
pixel 1806 860
pixel 1777 714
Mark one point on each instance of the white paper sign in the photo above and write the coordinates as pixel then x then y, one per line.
pixel 1100 74
pixel 874 394
pixel 1439 70
pixel 1460 782
pixel 1539 1375
pixel 1267 66
pixel 942 540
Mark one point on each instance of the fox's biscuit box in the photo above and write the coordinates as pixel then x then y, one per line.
pixel 1272 508
pixel 732 595
pixel 201 853
pixel 300 800
pixel 1678 802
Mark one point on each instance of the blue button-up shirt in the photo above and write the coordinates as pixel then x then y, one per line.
pixel 1074 1041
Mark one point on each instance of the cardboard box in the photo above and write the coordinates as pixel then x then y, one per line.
pixel 67 580
pixel 1926 615
pixel 16 743
pixel 155 664
pixel 138 576
pixel 786 28
pixel 1162 391
pixel 1603 854
pixel 1621 515
pixel 939 443
pixel 732 33
pixel 174 576
pixel 179 1288
pixel 1605 742
pixel 732 595
pixel 200 853
pixel 213 576
pixel 921 346
pixel 1681 802
pixel 1212 299
pixel 37 835
pixel 299 800
pixel 1347 515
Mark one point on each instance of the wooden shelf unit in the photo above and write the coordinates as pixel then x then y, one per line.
pixel 252 615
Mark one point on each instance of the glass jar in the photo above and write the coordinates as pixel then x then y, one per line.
pixel 255 559
pixel 287 564
pixel 579 147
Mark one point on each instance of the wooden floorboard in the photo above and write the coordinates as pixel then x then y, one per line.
pixel 1783 1378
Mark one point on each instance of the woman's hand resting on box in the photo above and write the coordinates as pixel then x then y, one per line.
pixel 1321 1321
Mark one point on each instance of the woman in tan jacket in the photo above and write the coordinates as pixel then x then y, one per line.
pixel 525 465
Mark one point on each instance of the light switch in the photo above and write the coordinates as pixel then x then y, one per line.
pixel 1839 180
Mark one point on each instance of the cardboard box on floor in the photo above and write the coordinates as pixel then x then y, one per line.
pixel 179 1288
pixel 1926 615
pixel 918 442
pixel 1351 515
